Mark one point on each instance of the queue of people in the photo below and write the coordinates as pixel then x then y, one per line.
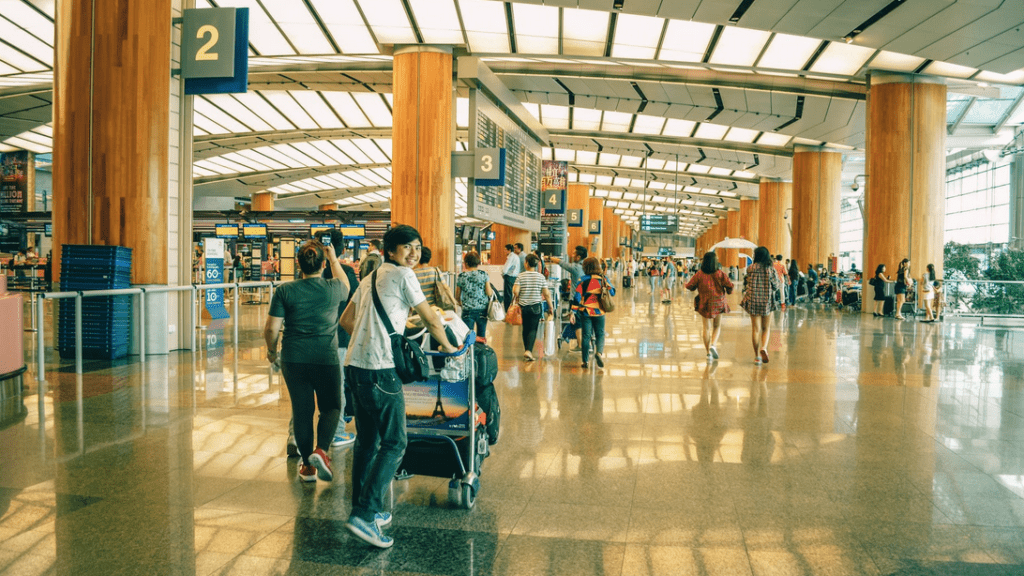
pixel 926 290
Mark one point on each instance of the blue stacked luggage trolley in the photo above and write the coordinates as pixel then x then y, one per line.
pixel 447 439
pixel 106 320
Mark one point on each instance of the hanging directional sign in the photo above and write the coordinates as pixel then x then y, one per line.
pixel 215 50
pixel 575 218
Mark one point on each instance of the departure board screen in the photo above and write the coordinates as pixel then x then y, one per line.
pixel 659 224
pixel 518 202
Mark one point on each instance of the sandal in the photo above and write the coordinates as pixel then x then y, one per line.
pixel 528 357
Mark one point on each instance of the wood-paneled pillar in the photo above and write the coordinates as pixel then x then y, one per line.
pixel 733 227
pixel 748 225
pixel 817 184
pixel 776 198
pixel 110 165
pixel 609 233
pixel 506 235
pixel 332 207
pixel 264 202
pixel 422 192
pixel 578 198
pixel 905 195
pixel 595 210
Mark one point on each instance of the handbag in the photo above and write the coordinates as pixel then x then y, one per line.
pixel 410 361
pixel 442 293
pixel 550 338
pixel 604 300
pixel 514 315
pixel 495 310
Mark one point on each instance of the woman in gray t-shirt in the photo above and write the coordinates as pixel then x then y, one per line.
pixel 308 311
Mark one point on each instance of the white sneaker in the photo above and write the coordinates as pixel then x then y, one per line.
pixel 714 353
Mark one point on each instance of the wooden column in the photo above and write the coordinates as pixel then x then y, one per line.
pixel 773 230
pixel 578 198
pixel 264 202
pixel 595 209
pixel 906 161
pixel 609 233
pixel 332 207
pixel 110 163
pixel 733 229
pixel 817 183
pixel 748 225
pixel 506 235
pixel 421 194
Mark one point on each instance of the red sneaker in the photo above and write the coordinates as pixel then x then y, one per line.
pixel 322 461
pixel 307 473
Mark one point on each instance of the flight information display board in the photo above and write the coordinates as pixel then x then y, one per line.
pixel 659 224
pixel 518 202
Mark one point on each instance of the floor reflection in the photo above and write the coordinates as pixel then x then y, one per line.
pixel 866 446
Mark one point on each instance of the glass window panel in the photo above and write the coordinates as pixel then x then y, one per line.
pixel 678 128
pixel 536 28
pixel 255 156
pixel 294 153
pixel 586 119
pixel 19 61
pixel 438 21
pixel 352 151
pixel 263 34
pixel 1011 78
pixel 841 58
pixel 586 157
pixel 346 26
pixel 208 125
pixel 531 107
pixel 616 121
pixel 584 32
pixel 608 159
pixel 485 25
pixel 987 111
pixel 315 106
pixel 290 108
pixel 686 41
pixel 648 124
pixel 711 131
pixel 886 60
pixel 462 112
pixel 388 20
pixel 786 52
pixel 347 108
pixel 331 151
pixel 556 117
pixel 299 26
pixel 28 43
pixel 385 145
pixel 636 36
pixel 237 111
pixel 631 161
pixel 741 135
pixel 374 108
pixel 950 70
pixel 315 153
pixel 739 46
pixel 562 154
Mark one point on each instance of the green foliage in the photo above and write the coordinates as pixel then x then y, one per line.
pixel 1002 298
pixel 959 263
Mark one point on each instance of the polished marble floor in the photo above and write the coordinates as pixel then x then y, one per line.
pixel 866 447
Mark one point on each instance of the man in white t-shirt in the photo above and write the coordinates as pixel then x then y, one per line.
pixel 377 390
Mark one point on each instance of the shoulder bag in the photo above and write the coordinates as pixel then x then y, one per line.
pixel 604 300
pixel 410 361
pixel 442 293
pixel 495 309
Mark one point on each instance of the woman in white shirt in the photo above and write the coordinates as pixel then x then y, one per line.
pixel 926 292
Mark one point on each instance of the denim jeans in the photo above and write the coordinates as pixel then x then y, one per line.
pixel 380 437
pixel 478 317
pixel 593 328
pixel 792 293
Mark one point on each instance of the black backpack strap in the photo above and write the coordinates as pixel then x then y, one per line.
pixel 380 307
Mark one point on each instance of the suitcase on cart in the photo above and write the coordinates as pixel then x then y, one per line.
pixel 447 430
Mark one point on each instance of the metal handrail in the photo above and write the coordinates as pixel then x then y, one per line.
pixel 951 290
pixel 141 292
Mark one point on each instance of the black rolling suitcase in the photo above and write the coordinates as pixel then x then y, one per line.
pixel 889 307
pixel 627 281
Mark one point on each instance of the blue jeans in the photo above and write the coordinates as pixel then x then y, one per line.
pixel 593 328
pixel 792 293
pixel 380 437
pixel 477 317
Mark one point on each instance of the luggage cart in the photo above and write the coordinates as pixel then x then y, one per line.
pixel 447 439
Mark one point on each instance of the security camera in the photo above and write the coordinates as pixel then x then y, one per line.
pixel 855 186
pixel 785 216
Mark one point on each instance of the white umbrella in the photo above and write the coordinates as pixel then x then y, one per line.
pixel 734 243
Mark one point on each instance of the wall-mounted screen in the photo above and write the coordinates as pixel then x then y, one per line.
pixel 314 228
pixel 353 232
pixel 254 230
pixel 227 230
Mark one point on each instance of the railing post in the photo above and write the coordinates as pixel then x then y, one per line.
pixel 78 333
pixel 142 326
pixel 234 309
pixel 195 325
pixel 40 346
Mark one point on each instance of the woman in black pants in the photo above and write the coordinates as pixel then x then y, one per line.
pixel 308 311
pixel 529 291
pixel 903 281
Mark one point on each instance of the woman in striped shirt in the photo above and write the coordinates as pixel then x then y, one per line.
pixel 529 291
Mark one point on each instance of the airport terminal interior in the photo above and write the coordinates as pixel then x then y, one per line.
pixel 164 162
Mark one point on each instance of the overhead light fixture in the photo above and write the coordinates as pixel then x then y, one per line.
pixel 617 4
pixel 892 5
pixel 740 10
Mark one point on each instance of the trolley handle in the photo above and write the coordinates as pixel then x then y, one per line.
pixel 470 339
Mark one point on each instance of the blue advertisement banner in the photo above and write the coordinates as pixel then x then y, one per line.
pixel 215 297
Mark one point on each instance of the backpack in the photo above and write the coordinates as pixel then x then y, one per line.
pixel 486 362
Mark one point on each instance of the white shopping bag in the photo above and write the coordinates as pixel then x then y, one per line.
pixel 550 338
pixel 458 327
